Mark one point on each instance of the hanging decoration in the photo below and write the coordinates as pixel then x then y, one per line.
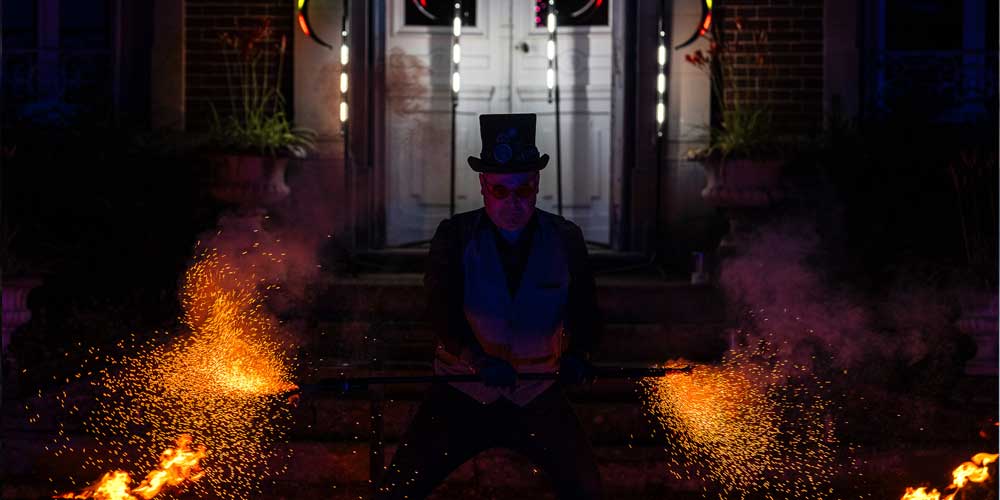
pixel 306 26
pixel 703 25
pixel 575 13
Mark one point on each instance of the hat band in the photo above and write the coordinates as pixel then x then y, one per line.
pixel 511 153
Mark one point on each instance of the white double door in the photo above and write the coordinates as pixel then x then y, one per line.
pixel 503 68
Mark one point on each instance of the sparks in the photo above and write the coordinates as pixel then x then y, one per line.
pixel 223 378
pixel 746 429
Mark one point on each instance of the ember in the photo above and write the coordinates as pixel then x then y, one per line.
pixel 975 471
pixel 177 465
pixel 745 427
pixel 226 382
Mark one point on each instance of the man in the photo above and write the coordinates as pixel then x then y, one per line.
pixel 510 292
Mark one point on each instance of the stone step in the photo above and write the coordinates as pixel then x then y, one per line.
pixel 345 466
pixel 335 420
pixel 357 341
pixel 340 470
pixel 623 300
pixel 414 260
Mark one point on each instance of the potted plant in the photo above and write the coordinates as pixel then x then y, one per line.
pixel 974 178
pixel 253 140
pixel 744 153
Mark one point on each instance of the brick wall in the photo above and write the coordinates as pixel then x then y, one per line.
pixel 205 72
pixel 793 44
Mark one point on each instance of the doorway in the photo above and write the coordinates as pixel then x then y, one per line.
pixel 503 70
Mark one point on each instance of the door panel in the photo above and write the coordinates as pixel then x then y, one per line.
pixel 496 77
pixel 584 77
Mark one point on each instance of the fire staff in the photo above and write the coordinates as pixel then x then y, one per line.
pixel 510 291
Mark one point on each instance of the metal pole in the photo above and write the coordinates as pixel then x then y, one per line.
pixel 555 67
pixel 376 443
pixel 343 385
pixel 451 201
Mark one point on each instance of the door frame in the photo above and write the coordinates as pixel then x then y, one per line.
pixel 632 142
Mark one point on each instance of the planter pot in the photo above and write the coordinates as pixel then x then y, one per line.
pixel 15 310
pixel 15 305
pixel 250 184
pixel 745 190
pixel 742 183
pixel 978 319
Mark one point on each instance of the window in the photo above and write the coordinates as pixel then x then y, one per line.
pixel 437 12
pixel 19 24
pixel 574 12
pixel 85 24
pixel 923 25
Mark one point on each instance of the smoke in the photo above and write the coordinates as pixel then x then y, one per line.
pixel 283 249
pixel 788 290
pixel 786 299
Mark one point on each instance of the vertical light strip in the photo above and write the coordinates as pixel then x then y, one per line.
pixel 345 59
pixel 456 51
pixel 550 49
pixel 661 78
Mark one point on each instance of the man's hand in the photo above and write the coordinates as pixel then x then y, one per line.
pixel 574 370
pixel 496 372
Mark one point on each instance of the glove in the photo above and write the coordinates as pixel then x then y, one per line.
pixel 574 370
pixel 495 372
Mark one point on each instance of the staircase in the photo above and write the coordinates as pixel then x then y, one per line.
pixel 376 319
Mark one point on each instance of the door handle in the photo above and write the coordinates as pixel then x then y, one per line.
pixel 523 47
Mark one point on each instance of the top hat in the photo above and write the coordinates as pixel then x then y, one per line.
pixel 508 145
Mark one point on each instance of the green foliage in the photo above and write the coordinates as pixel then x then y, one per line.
pixel 745 132
pixel 747 127
pixel 257 122
pixel 260 132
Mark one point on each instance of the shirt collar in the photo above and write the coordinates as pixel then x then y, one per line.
pixel 486 222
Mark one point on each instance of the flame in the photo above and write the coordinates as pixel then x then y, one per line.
pixel 112 486
pixel 975 471
pixel 177 465
pixel 921 493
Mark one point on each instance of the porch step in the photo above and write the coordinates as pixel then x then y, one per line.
pixel 339 470
pixel 333 466
pixel 608 423
pixel 335 343
pixel 414 260
pixel 623 300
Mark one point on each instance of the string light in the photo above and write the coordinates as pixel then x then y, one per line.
pixel 345 59
pixel 550 49
pixel 661 79
pixel 456 50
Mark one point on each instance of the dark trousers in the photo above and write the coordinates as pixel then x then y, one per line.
pixel 451 427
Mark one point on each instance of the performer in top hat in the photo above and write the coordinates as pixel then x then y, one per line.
pixel 510 291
